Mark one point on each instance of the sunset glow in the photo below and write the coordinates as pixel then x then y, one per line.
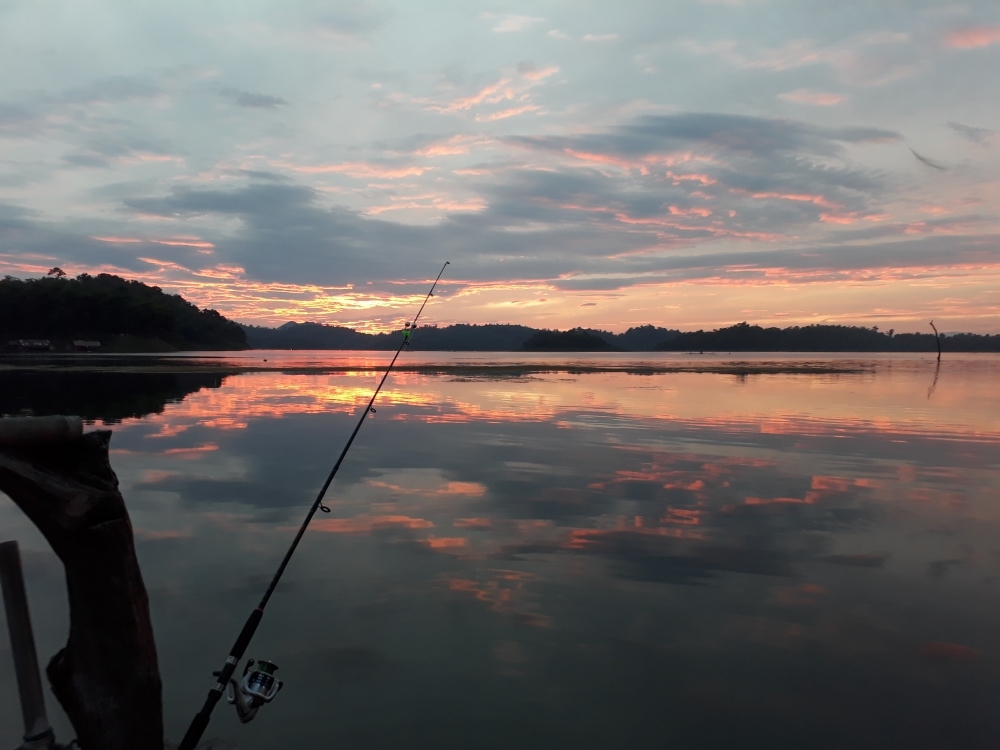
pixel 830 168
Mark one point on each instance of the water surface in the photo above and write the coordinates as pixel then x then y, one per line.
pixel 777 551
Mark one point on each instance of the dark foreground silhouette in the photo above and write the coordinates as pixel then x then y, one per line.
pixel 120 315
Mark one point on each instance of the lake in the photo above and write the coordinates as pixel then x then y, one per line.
pixel 555 551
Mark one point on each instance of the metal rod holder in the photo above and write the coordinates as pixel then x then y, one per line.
pixel 37 731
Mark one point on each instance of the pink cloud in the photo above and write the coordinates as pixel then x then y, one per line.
pixel 696 211
pixel 973 36
pixel 359 169
pixel 540 75
pixel 505 113
pixel 435 202
pixel 817 98
pixel 453 146
pixel 118 240
pixel 506 89
pixel 184 242
pixel 818 200
pixel 165 264
pixel 495 92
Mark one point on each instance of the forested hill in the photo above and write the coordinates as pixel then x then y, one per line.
pixel 461 337
pixel 738 338
pixel 820 338
pixel 122 315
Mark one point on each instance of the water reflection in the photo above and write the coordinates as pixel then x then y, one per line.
pixel 586 560
pixel 94 395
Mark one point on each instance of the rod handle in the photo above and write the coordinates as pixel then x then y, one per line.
pixel 201 719
pixel 197 728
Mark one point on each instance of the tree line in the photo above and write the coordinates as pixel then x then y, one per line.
pixel 744 337
pixel 106 308
pixel 495 337
pixel 111 310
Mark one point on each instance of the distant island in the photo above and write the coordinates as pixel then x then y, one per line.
pixel 573 340
pixel 110 314
pixel 744 337
pixel 461 337
pixel 106 313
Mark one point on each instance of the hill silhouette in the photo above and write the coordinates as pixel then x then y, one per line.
pixel 459 337
pixel 744 337
pixel 122 315
pixel 573 340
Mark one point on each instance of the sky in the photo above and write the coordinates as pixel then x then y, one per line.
pixel 683 163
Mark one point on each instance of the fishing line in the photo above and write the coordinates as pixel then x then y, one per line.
pixel 259 686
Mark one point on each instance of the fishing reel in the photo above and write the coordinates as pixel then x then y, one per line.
pixel 254 690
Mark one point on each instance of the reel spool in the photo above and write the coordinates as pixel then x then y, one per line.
pixel 254 690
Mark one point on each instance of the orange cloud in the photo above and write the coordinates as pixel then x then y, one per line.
pixel 972 37
pixel 192 452
pixel 501 594
pixel 366 524
pixel 444 542
pixel 470 489
pixel 807 500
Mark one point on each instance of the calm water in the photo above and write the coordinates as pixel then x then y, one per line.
pixel 560 557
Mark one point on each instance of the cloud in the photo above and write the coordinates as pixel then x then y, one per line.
pixel 670 181
pixel 252 100
pixel 113 89
pixel 662 134
pixel 652 200
pixel 350 19
pixel 928 162
pixel 359 169
pixel 514 23
pixel 506 113
pixel 119 143
pixel 515 87
pixel 972 37
pixel 868 59
pixel 253 200
pixel 982 136
pixel 916 258
pixel 809 96
pixel 18 121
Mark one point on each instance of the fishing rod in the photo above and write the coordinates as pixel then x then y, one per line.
pixel 259 686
